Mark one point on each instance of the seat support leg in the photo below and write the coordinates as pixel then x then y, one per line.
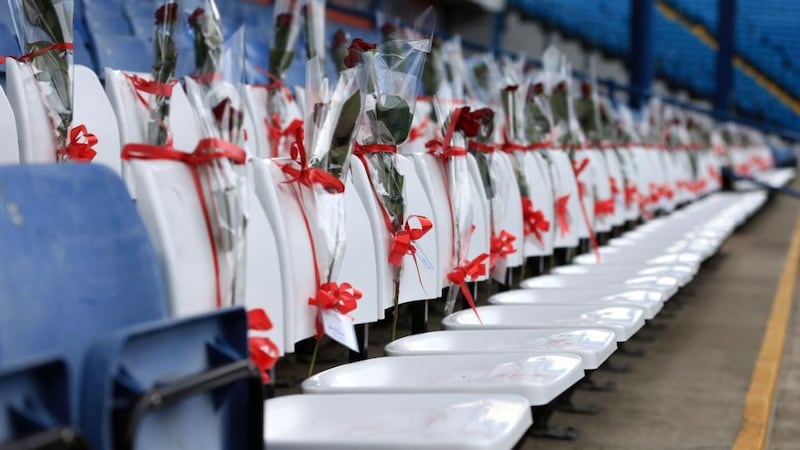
pixel 566 403
pixel 542 429
pixel 362 336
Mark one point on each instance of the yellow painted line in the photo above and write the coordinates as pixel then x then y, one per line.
pixel 761 394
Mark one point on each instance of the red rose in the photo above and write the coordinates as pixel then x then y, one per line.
pixel 357 47
pixel 223 108
pixel 467 123
pixel 167 13
pixel 387 29
pixel 283 20
pixel 511 88
pixel 339 39
pixel 562 86
pixel 586 89
pixel 194 19
pixel 484 116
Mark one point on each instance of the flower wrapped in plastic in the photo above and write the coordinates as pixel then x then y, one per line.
pixel 393 72
pixel 283 114
pixel 314 14
pixel 44 31
pixel 460 124
pixel 321 159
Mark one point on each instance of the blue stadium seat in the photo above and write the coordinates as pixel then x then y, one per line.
pixel 80 280
pixel 123 52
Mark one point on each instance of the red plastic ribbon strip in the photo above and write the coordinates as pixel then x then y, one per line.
pixel 403 240
pixel 533 220
pixel 263 351
pixel 57 47
pixel 715 174
pixel 631 192
pixel 443 149
pixel 207 150
pixel 275 133
pixel 79 148
pixel 305 175
pixel 152 87
pixel 481 147
pixel 562 212
pixel 604 207
pixel 333 296
pixel 578 168
pixel 614 186
pixel 420 130
pixel 501 246
pixel 469 270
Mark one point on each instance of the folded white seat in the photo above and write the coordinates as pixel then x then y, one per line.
pixel 664 286
pixel 540 378
pixel 616 256
pixel 683 274
pixel 649 301
pixel 625 321
pixel 396 421
pixel 593 345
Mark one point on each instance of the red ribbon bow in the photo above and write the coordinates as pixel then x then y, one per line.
pixel 744 169
pixel 502 245
pixel 263 351
pixel 338 297
pixel 604 207
pixel 276 134
pixel 403 240
pixel 533 220
pixel 714 173
pixel 305 175
pixel 562 221
pixel 207 150
pixel 79 148
pixel 469 270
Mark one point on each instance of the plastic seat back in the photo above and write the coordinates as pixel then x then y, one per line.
pixel 9 153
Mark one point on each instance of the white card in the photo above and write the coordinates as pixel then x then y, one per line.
pixel 339 327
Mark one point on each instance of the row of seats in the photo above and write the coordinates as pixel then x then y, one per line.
pixel 486 398
pixel 763 36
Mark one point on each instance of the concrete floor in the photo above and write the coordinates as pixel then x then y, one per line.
pixel 688 391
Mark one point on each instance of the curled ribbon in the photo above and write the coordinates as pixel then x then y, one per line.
pixel 207 150
pixel 333 296
pixel 403 240
pixel 263 351
pixel 562 213
pixel 501 246
pixel 469 270
pixel 79 148
pixel 533 220
pixel 305 175
pixel 276 134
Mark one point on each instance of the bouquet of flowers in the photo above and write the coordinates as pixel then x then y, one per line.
pixel 392 77
pixel 44 31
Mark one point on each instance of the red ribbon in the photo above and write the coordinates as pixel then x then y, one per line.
pixel 152 87
pixel 578 168
pixel 614 187
pixel 743 169
pixel 263 351
pixel 365 149
pixel 442 149
pixel 207 150
pixel 469 270
pixel 604 207
pixel 631 192
pixel 275 133
pixel 508 145
pixel 338 297
pixel 305 175
pixel 714 173
pixel 275 83
pixel 533 220
pixel 403 240
pixel 501 246
pixel 57 47
pixel 562 220
pixel 79 148
pixel 419 131
pixel 481 147
pixel 539 145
